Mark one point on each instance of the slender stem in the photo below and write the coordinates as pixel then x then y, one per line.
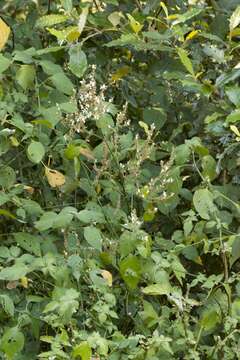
pixel 96 5
pixel 138 5
pixel 198 337
pixel 223 253
pixel 49 6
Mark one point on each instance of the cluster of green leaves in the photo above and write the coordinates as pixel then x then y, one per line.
pixel 119 179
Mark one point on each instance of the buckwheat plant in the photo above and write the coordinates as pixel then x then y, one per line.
pixel 91 103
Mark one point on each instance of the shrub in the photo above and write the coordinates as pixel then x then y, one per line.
pixel 119 179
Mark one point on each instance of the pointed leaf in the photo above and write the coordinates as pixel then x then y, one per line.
pixel 78 60
pixel 183 55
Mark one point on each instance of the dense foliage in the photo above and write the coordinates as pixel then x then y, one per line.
pixel 119 179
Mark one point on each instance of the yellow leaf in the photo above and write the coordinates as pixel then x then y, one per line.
pixel 235 131
pixel 14 141
pixel 164 8
pixel 73 35
pixel 29 189
pixel 234 33
pixel 107 276
pixel 173 17
pixel 98 188
pixel 192 34
pixel 135 25
pixel 4 33
pixel 120 73
pixel 54 177
pixel 198 260
pixel 24 282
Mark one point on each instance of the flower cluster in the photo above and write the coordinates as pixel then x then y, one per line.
pixel 91 102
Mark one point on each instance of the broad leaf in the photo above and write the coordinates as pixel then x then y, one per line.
pixel 130 270
pixel 203 203
pixel 35 152
pixel 77 61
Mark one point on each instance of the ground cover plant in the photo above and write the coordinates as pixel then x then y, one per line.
pixel 119 179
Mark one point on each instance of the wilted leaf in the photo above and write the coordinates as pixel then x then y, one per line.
pixel 107 276
pixel 235 19
pixel 54 177
pixel 4 33
pixel 24 282
pixel 82 19
pixel 135 25
pixel 87 153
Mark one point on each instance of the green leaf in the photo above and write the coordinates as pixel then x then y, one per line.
pixel 130 271
pixel 91 216
pixel 72 151
pixel 156 116
pixel 236 309
pixel 56 221
pixel 127 243
pixel 35 152
pixel 77 61
pixel 12 342
pixel 4 63
pixel 233 117
pixel 209 319
pixel 50 20
pixel 125 39
pixel 203 203
pixel 67 34
pixel 215 53
pixel 29 242
pixel 93 237
pixel 163 287
pixel 7 176
pixel 182 154
pixel 25 76
pixel 7 304
pixel 49 67
pixel 209 167
pixel 46 221
pixel 183 55
pixel 14 272
pixel 235 255
pixel 181 18
pixel 233 93
pixel 149 315
pixel 62 83
pixel 83 350
pixel 7 213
